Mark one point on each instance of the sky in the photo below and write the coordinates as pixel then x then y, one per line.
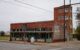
pixel 21 11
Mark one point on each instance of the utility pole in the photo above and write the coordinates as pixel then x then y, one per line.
pixel 70 2
pixel 64 31
pixel 70 21
pixel 64 20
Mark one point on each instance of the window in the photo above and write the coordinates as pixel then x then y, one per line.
pixel 56 28
pixel 20 29
pixel 36 29
pixel 48 29
pixel 66 10
pixel 43 29
pixel 61 10
pixel 62 17
pixel 66 17
pixel 13 30
pixel 23 27
pixel 17 29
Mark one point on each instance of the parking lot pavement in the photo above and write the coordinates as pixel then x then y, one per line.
pixel 53 46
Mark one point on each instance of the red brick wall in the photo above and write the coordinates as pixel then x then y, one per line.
pixel 44 24
pixel 59 11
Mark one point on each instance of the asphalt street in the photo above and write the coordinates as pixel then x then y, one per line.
pixel 53 46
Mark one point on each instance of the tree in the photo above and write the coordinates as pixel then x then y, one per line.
pixel 78 32
pixel 2 33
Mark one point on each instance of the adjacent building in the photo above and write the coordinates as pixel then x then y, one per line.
pixel 78 16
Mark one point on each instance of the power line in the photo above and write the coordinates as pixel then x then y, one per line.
pixel 32 5
pixel 75 3
pixel 13 3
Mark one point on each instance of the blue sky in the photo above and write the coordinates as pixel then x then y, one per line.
pixel 12 11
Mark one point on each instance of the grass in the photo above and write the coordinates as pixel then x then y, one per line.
pixel 4 38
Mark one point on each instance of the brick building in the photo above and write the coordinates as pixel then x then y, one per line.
pixel 59 22
pixel 45 30
pixel 39 30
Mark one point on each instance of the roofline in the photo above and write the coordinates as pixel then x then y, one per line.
pixel 33 22
pixel 62 6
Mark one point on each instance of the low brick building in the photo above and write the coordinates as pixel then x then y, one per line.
pixel 39 30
